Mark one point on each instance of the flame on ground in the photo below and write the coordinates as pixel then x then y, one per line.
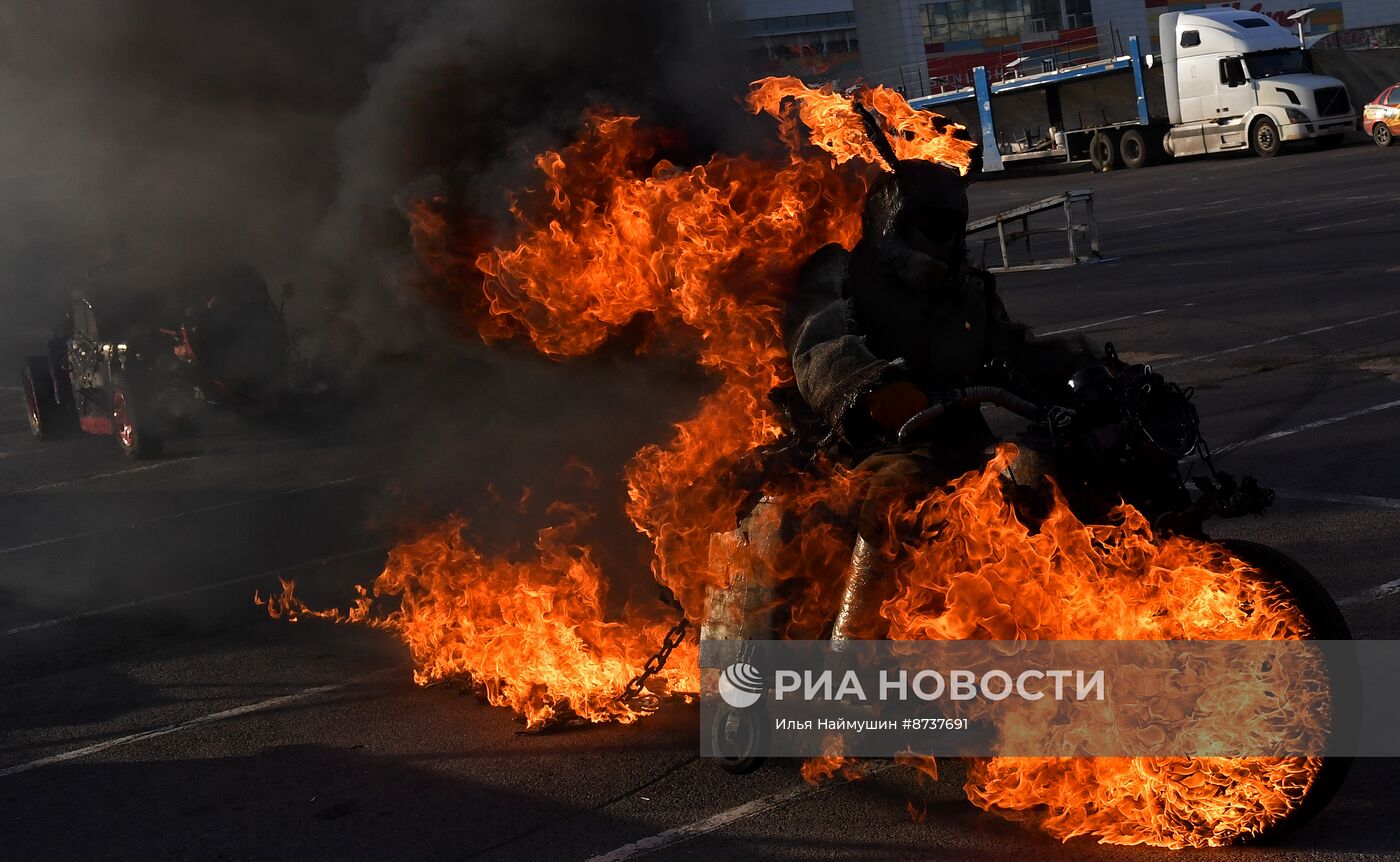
pixel 705 255
pixel 531 634
pixel 832 764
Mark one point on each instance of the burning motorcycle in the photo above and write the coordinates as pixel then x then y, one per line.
pixel 1112 455
pixel 604 241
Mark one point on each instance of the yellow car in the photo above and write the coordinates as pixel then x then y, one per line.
pixel 1381 119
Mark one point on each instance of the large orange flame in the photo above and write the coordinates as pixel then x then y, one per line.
pixel 706 255
pixel 533 633
pixel 833 125
pixel 994 578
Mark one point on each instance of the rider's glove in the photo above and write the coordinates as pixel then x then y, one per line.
pixel 1059 420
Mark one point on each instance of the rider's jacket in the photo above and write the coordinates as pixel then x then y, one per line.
pixel 854 324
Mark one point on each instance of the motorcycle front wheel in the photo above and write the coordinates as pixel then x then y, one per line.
pixel 1325 622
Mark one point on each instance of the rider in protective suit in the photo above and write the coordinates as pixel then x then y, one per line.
pixel 872 331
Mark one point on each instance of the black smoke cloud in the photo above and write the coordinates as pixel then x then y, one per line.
pixel 158 132
pixel 473 92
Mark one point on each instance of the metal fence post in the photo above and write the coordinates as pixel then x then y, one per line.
pixel 1069 228
pixel 991 153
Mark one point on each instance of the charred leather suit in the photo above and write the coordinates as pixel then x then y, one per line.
pixel 906 306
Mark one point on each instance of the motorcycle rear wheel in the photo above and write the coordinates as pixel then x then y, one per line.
pixel 741 735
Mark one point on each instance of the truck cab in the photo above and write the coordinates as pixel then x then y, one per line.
pixel 1238 80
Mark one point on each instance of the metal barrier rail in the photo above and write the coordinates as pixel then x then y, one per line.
pixel 1076 234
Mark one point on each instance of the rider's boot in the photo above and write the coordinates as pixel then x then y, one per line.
pixel 858 617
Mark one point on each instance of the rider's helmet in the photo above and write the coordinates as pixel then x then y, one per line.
pixel 915 220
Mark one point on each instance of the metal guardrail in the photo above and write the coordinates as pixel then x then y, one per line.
pixel 1081 238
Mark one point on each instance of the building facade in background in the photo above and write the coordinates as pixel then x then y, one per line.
pixel 923 46
pixel 813 39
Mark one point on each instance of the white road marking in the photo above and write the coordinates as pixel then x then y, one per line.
pixel 1215 213
pixel 1205 357
pixel 1385 590
pixel 1098 323
pixel 22 452
pixel 1343 223
pixel 1320 423
pixel 675 836
pixel 671 837
pixel 1349 499
pixel 190 724
pixel 93 478
pixel 192 590
pixel 214 508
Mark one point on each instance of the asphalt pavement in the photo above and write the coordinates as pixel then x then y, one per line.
pixel 148 710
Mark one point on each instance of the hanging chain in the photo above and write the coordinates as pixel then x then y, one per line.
pixel 635 690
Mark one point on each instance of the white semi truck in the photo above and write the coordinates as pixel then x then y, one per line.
pixel 1237 79
pixel 1225 80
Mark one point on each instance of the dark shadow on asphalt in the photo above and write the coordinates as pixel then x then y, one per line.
pixel 300 801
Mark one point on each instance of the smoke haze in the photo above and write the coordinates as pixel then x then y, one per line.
pixel 292 137
pixel 151 130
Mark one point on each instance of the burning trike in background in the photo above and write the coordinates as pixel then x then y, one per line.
pixel 1087 530
pixel 137 360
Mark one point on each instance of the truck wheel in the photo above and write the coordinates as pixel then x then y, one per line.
pixel 1380 133
pixel 1133 148
pixel 1264 138
pixel 133 437
pixel 43 411
pixel 1103 152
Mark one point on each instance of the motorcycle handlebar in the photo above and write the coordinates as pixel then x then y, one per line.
pixel 972 395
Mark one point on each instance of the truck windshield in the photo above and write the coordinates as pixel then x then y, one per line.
pixel 1268 64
